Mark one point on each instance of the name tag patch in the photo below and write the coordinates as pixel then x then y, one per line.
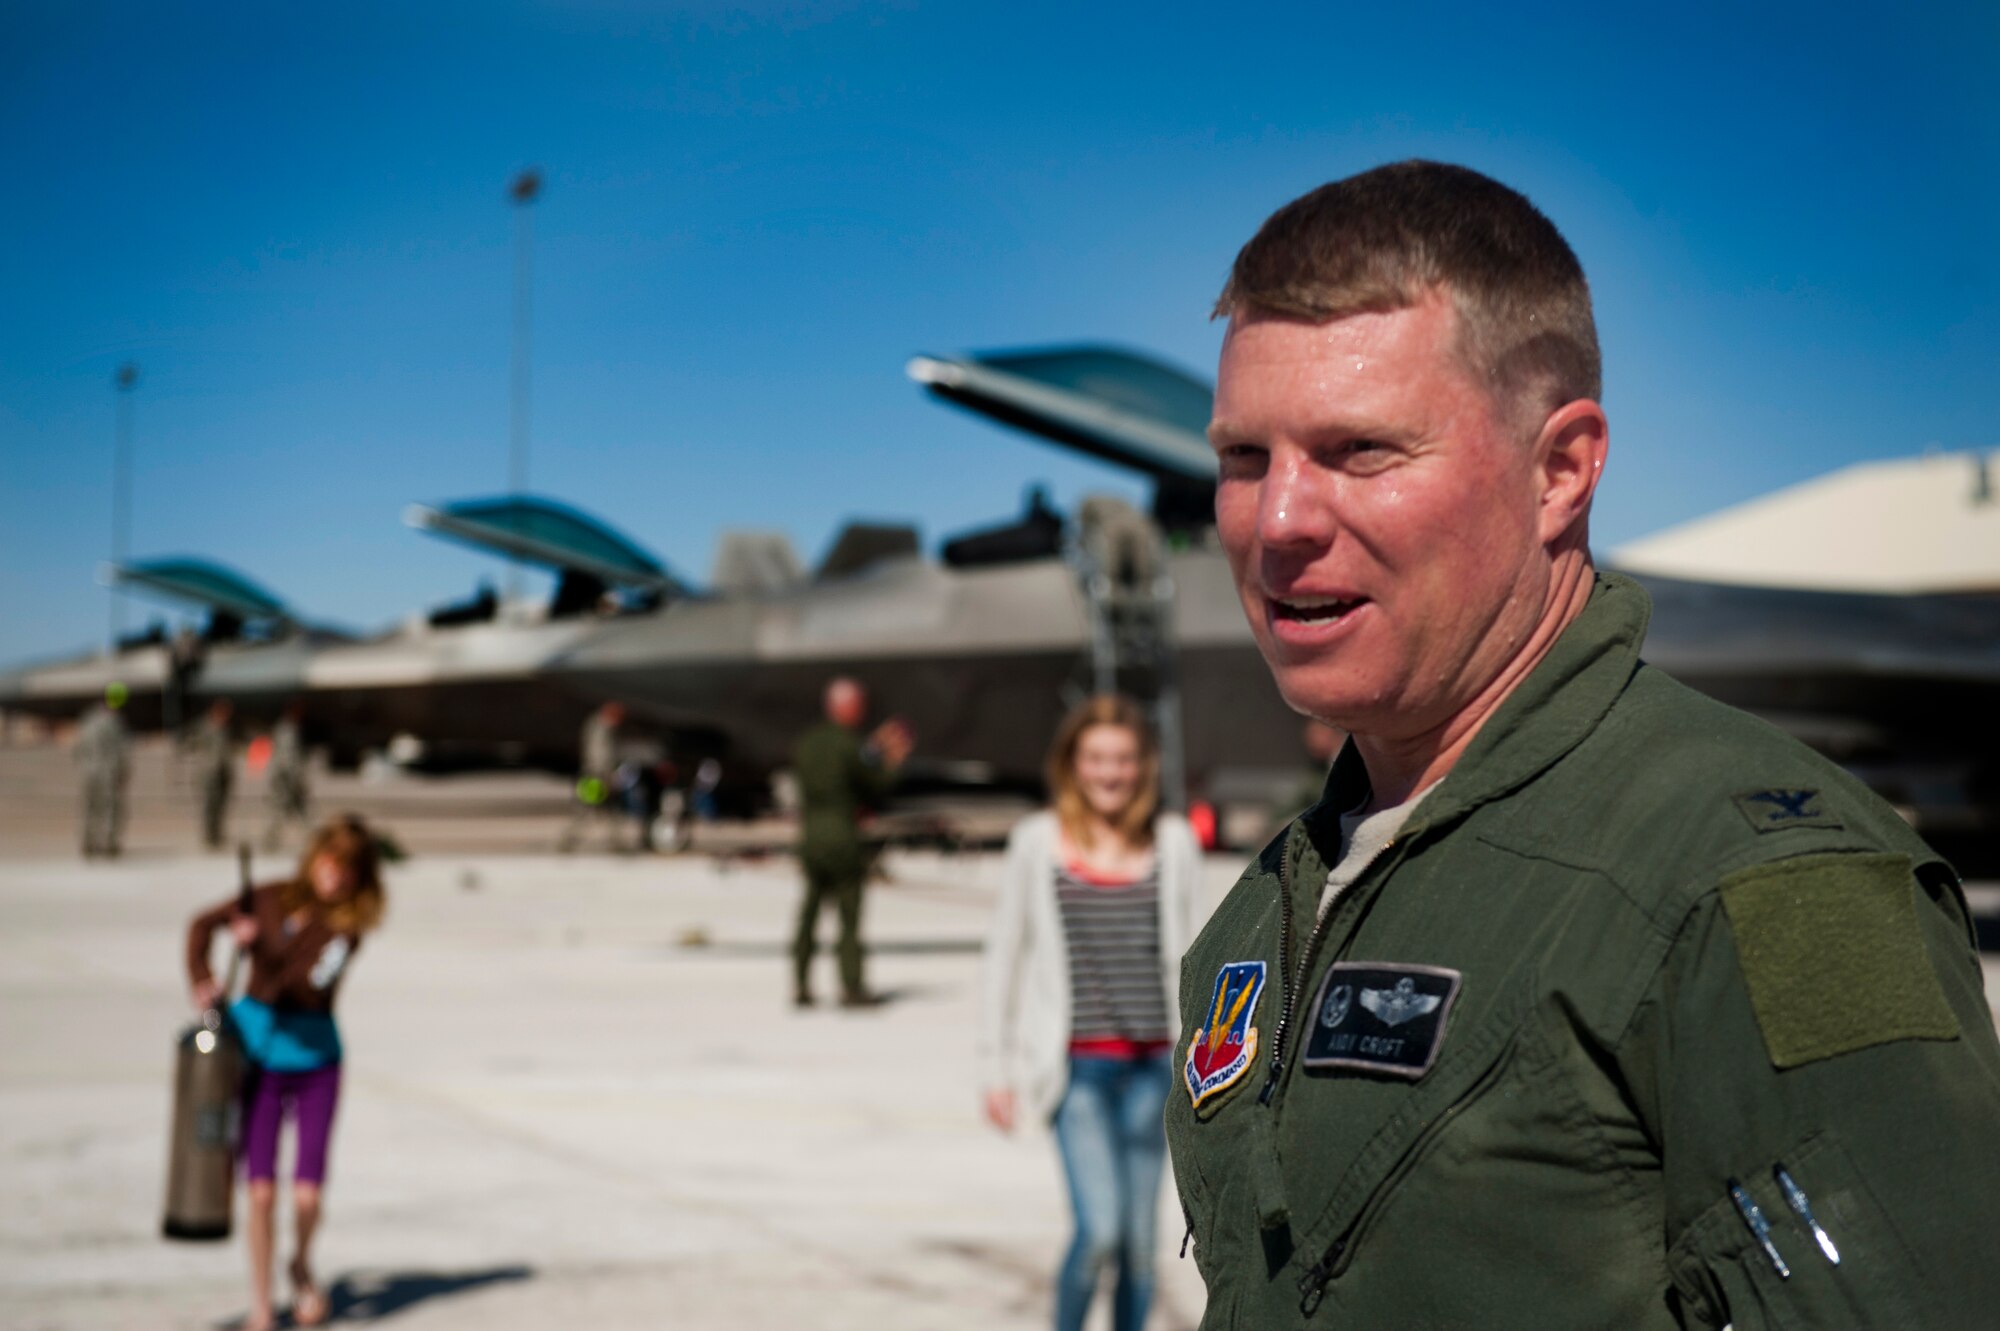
pixel 1381 1016
pixel 1225 1045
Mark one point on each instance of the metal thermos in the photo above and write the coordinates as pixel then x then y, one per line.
pixel 209 1068
pixel 208 1107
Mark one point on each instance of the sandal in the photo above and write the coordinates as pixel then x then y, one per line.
pixel 309 1306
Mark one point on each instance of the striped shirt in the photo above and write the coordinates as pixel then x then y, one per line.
pixel 1113 931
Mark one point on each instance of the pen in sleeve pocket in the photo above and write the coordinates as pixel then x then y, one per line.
pixel 1760 1228
pixel 1795 1197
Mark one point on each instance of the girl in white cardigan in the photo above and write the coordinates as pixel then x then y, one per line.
pixel 1077 1012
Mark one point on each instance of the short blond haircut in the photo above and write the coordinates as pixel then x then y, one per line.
pixel 1135 824
pixel 1389 238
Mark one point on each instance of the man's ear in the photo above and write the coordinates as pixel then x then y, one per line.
pixel 1569 457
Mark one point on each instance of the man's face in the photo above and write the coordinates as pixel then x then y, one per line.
pixel 847 705
pixel 1380 519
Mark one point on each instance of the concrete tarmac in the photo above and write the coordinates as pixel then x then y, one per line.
pixel 575 1091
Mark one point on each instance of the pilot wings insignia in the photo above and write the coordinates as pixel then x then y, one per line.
pixel 1381 1017
pixel 1393 1007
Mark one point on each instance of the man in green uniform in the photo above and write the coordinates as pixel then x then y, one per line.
pixel 103 756
pixel 1578 1000
pixel 213 749
pixel 596 772
pixel 286 791
pixel 839 776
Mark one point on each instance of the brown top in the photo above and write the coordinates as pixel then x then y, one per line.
pixel 295 962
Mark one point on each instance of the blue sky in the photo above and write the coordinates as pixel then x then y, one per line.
pixel 293 218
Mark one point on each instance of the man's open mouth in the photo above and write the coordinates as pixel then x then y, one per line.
pixel 1314 609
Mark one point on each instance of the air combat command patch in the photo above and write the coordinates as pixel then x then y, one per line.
pixel 1223 1049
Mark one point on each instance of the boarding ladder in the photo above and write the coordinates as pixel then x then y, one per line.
pixel 1119 560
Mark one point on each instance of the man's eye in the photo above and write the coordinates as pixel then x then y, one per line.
pixel 1362 453
pixel 1240 459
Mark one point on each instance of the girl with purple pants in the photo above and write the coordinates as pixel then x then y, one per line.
pixel 299 935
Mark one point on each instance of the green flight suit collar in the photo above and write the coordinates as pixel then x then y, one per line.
pixel 1554 709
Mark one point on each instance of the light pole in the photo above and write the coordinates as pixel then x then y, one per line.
pixel 527 187
pixel 125 379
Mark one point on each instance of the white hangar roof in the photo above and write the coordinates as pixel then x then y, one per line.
pixel 1922 524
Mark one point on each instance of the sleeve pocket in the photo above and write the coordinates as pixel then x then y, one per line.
pixel 1726 1277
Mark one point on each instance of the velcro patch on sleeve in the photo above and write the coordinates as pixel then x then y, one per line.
pixel 1833 956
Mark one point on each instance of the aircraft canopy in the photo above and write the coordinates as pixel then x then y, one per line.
pixel 546 533
pixel 1113 404
pixel 204 584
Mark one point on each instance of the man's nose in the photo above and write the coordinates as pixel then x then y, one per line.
pixel 1293 508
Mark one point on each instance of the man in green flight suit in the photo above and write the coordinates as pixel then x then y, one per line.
pixel 288 792
pixel 1578 1000
pixel 104 757
pixel 597 798
pixel 213 749
pixel 839 776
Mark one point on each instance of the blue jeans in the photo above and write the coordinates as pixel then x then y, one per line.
pixel 1113 1147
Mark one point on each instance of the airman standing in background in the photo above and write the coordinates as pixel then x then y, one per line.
pixel 839 775
pixel 597 769
pixel 103 755
pixel 287 792
pixel 213 748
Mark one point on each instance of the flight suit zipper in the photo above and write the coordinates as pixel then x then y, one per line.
pixel 1291 989
pixel 1284 973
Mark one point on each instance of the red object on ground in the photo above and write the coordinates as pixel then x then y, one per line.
pixel 1115 1048
pixel 258 756
pixel 1201 817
